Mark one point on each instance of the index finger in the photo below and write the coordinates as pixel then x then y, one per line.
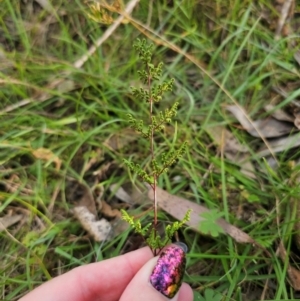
pixel 95 281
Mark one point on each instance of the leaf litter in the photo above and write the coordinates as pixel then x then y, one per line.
pixel 177 207
pixel 267 127
pixel 9 220
pixel 86 206
pixel 86 213
pixel 293 273
pixel 281 126
pixel 278 114
pixel 100 230
pixel 233 149
pixel 47 155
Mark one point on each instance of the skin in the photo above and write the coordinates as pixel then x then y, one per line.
pixel 123 278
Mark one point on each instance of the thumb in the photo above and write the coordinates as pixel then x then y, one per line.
pixel 160 279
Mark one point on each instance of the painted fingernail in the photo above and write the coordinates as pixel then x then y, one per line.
pixel 182 245
pixel 167 275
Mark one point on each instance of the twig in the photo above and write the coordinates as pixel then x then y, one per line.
pixel 283 16
pixel 79 63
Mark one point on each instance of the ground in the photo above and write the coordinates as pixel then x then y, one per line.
pixel 66 74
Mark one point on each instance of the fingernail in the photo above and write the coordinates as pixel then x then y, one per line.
pixel 182 245
pixel 167 275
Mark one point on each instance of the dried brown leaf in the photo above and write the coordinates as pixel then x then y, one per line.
pixel 122 138
pixel 230 144
pixel 278 114
pixel 233 149
pixel 9 220
pixel 121 193
pixel 279 145
pixel 293 273
pixel 99 230
pixel 119 226
pixel 297 56
pixel 82 196
pixel 267 128
pixel 108 211
pixel 286 12
pixel 45 4
pixel 177 207
pixel 129 193
pixel 47 155
pixel 297 120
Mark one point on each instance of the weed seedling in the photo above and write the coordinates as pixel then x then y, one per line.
pixel 151 94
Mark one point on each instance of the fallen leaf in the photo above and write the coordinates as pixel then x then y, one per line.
pixel 286 11
pixel 279 145
pixel 81 196
pixel 9 220
pixel 233 149
pixel 297 120
pixel 120 193
pixel 99 230
pixel 45 5
pixel 267 128
pixel 108 211
pixel 297 56
pixel 129 193
pixel 293 273
pixel 221 135
pixel 278 114
pixel 177 207
pixel 47 155
pixel 14 184
pixel 122 138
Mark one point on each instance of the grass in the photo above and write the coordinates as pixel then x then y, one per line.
pixel 226 53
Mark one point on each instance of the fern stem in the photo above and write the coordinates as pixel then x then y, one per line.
pixel 152 155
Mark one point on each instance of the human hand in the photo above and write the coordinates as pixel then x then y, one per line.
pixel 124 278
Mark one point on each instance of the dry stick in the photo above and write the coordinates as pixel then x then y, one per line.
pixel 283 16
pixel 79 63
pixel 129 8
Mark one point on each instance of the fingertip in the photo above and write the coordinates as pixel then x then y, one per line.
pixel 142 284
pixel 185 293
pixel 106 279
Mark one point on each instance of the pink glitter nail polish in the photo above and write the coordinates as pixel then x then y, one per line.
pixel 168 272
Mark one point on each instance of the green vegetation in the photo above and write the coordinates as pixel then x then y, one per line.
pixel 151 96
pixel 64 136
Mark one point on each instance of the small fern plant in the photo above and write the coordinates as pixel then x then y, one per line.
pixel 151 94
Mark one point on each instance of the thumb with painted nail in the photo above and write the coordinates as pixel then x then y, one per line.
pixel 161 278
